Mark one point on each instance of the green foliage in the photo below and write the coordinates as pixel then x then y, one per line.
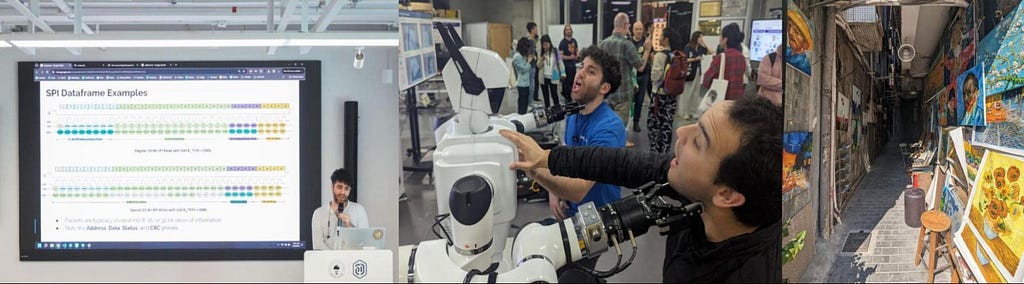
pixel 793 247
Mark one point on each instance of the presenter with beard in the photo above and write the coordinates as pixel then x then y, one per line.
pixel 329 219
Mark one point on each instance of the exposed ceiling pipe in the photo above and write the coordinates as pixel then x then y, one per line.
pixel 161 15
pixel 369 4
pixel 25 11
pixel 323 21
pixel 282 25
pixel 63 6
pixel 270 15
pixel 846 4
pixel 343 17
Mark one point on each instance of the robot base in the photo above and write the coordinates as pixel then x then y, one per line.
pixel 531 271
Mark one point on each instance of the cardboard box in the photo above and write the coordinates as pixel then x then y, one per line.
pixel 420 6
pixel 447 13
pixel 924 180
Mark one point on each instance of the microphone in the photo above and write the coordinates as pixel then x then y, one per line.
pixel 341 207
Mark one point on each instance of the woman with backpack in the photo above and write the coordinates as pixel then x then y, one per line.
pixel 769 76
pixel 695 51
pixel 668 78
pixel 553 70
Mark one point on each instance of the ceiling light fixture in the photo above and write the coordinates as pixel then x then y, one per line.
pixel 115 39
pixel 360 58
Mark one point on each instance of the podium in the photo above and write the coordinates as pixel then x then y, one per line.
pixel 369 265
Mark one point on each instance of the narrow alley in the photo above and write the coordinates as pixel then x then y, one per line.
pixel 874 244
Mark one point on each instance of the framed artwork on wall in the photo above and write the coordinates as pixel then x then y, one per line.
pixel 734 8
pixel 711 9
pixel 709 27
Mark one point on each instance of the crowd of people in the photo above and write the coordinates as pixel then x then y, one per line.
pixel 666 76
pixel 721 148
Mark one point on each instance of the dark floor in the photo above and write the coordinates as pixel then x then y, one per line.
pixel 887 255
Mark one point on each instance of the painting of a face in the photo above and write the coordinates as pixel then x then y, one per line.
pixel 970 92
pixel 796 40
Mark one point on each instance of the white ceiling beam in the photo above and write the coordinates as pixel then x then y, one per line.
pixel 78 17
pixel 211 4
pixel 328 17
pixel 304 26
pixel 282 25
pixel 348 17
pixel 34 8
pixel 286 15
pixel 27 13
pixel 324 21
pixel 270 15
pixel 36 21
pixel 203 39
pixel 63 6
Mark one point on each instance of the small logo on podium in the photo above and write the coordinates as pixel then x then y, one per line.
pixel 359 269
pixel 378 234
pixel 337 269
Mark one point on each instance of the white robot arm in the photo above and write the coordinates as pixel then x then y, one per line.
pixel 475 190
pixel 469 149
pixel 539 250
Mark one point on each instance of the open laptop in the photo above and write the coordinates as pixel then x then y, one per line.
pixel 370 265
pixel 360 238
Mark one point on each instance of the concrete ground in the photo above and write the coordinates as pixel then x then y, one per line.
pixel 887 255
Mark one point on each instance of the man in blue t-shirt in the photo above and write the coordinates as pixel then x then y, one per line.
pixel 596 125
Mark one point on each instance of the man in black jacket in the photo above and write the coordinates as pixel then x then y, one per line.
pixel 730 161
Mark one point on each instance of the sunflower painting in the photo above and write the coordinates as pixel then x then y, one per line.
pixel 995 210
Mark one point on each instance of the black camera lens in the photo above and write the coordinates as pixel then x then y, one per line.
pixel 627 214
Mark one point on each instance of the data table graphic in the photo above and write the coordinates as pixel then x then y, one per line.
pixel 205 160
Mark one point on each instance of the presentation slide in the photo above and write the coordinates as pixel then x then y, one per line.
pixel 765 37
pixel 161 157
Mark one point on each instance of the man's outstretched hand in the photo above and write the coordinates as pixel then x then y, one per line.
pixel 531 156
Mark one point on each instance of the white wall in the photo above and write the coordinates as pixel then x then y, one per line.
pixel 513 12
pixel 378 166
pixel 547 13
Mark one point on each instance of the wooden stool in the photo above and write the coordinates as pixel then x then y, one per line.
pixel 937 223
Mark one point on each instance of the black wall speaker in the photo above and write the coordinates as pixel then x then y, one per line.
pixel 351 149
